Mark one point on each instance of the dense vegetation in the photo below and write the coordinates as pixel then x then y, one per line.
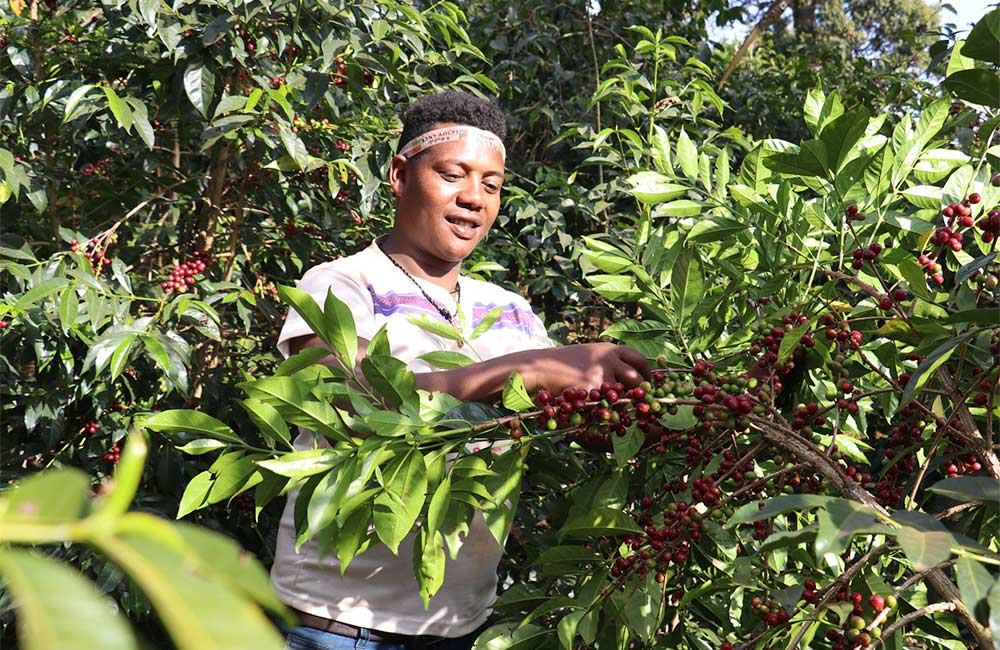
pixel 800 234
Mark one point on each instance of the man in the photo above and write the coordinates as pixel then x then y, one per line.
pixel 446 176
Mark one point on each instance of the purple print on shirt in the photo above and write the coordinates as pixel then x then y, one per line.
pixel 401 303
pixel 512 317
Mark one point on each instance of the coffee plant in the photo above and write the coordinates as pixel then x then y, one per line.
pixel 813 462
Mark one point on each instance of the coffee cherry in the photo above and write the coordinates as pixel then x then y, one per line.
pixel 974 198
pixel 995 180
pixel 877 602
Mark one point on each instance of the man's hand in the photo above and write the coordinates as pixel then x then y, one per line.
pixel 585 366
pixel 573 366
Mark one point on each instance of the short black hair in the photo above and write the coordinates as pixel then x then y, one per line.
pixel 452 106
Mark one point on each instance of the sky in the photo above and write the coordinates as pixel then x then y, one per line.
pixel 967 13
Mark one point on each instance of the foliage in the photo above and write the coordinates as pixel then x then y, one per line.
pixel 827 373
pixel 207 591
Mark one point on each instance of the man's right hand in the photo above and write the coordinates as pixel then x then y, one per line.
pixel 586 365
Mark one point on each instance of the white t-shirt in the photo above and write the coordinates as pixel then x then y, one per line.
pixel 379 590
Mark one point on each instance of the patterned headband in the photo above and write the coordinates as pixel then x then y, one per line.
pixel 450 134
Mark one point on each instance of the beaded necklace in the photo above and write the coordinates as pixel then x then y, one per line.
pixel 445 314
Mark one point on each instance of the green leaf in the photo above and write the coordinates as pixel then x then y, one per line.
pixel 39 291
pixel 390 424
pixel 300 464
pixel 69 112
pixel 660 150
pixel 485 324
pixel 121 112
pixel 687 155
pixel 789 538
pixel 969 488
pixel 397 507
pixel 57 608
pixel 341 329
pixel 597 522
pixel 839 521
pixel 511 636
pixel 49 497
pixel 197 608
pixel 627 446
pixel 790 341
pixel 974 583
pixel 190 421
pixel 504 486
pixel 686 286
pixel 445 359
pixel 983 42
pixel 289 397
pixel 429 563
pixel 642 607
pixel 195 493
pixel 294 146
pixel 392 381
pixel 232 564
pixel 967 270
pixel 303 359
pixel 775 506
pixel 927 367
pixel 198 83
pixel 438 504
pixel 985 316
pixel 436 326
pixel 924 196
pixel 993 600
pixel 515 396
pixel 977 86
pixel 714 229
pixel 842 134
pixel 202 446
pixel 268 420
pixel 306 307
pixel 652 188
pixel 680 208
pixel 914 276
pixel 924 539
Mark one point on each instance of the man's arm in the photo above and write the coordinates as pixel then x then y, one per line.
pixel 572 366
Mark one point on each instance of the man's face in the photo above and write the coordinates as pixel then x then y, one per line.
pixel 447 197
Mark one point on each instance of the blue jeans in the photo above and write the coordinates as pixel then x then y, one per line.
pixel 307 638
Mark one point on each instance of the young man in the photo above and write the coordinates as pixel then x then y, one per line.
pixel 446 176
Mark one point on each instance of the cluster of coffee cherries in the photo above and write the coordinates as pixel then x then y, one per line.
pixel 962 465
pixel 99 168
pixel 905 435
pixel 945 236
pixel 114 454
pixel 340 76
pixel 854 213
pixel 841 332
pixel 94 254
pixel 244 504
pixel 862 255
pixel 887 302
pixel 596 413
pixel 769 339
pixel 90 428
pixel 770 611
pixel 807 416
pixel 857 631
pixel 183 275
pixel 990 225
